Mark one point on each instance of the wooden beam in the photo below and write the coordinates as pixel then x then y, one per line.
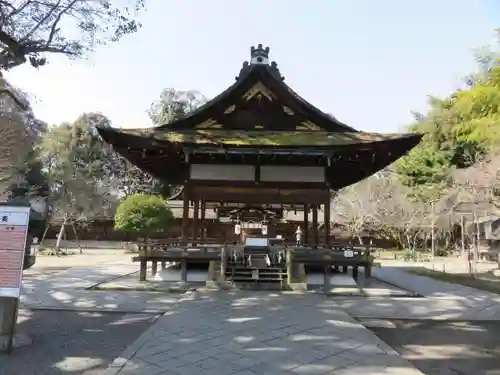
pixel 262 184
pixel 257 195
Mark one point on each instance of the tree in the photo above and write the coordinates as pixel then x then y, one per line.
pixel 356 205
pixel 115 172
pixel 14 149
pixel 459 129
pixel 381 205
pixel 481 182
pixel 19 128
pixel 143 214
pixel 72 154
pixel 174 104
pixel 31 29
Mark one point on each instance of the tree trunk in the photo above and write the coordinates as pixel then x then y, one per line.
pixel 360 239
pixel 44 234
pixel 60 236
pixel 76 238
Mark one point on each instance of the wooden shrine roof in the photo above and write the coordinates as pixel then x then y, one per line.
pixel 260 138
pixel 260 112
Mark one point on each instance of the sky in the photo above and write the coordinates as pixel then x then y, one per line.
pixel 367 62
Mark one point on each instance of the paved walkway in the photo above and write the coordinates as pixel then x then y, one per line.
pixel 68 290
pixel 442 300
pixel 258 333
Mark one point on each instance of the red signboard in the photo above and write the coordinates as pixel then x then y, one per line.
pixel 13 231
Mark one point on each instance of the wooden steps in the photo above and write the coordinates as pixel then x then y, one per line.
pixel 256 272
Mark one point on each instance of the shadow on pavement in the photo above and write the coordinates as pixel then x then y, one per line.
pixel 442 348
pixel 69 342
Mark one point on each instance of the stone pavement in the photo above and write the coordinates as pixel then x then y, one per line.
pixel 67 290
pixel 258 333
pixel 442 300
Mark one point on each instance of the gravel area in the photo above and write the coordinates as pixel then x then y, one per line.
pixel 444 348
pixel 89 257
pixel 69 342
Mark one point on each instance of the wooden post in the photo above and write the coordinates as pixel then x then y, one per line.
pixel 355 272
pixel 326 278
pixel 196 213
pixel 154 268
pixel 184 270
pixel 289 266
pixel 223 263
pixel 315 225
pixel 433 235
pixel 8 321
pixel 142 270
pixel 462 234
pixel 202 222
pixel 327 219
pixel 185 214
pixel 306 224
pixel 476 240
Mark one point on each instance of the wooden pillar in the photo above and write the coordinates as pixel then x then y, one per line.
pixel 196 214
pixel 327 219
pixel 306 224
pixel 202 221
pixel 185 214
pixel 8 321
pixel 462 232
pixel 315 224
pixel 326 278
pixel 289 266
pixel 154 268
pixel 184 270
pixel 143 270
pixel 223 263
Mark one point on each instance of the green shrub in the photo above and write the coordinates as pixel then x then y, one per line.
pixel 142 213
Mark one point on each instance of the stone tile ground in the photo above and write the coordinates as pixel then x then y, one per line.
pixel 72 343
pixel 444 347
pixel 443 301
pixel 259 333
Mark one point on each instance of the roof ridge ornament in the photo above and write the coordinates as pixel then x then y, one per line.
pixel 260 56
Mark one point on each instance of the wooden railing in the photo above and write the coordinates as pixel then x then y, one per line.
pixel 201 252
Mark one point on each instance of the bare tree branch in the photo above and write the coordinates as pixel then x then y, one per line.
pixel 30 29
